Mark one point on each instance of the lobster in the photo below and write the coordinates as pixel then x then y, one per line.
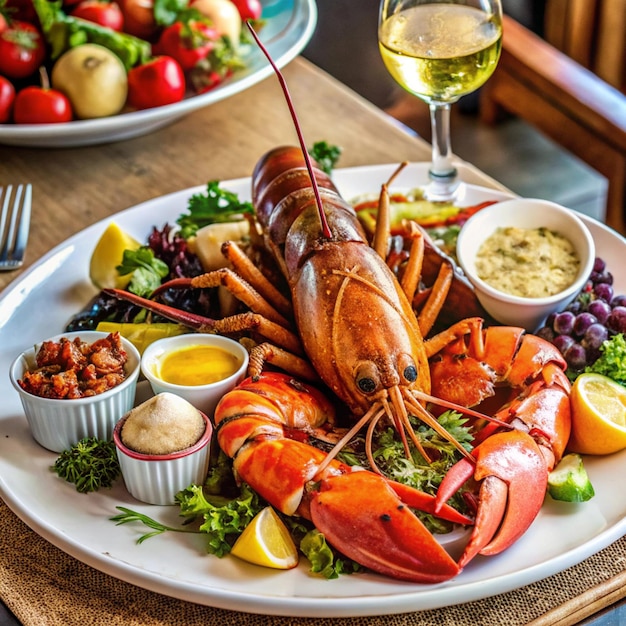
pixel 351 325
pixel 349 322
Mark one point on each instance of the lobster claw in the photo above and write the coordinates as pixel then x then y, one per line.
pixel 514 481
pixel 363 517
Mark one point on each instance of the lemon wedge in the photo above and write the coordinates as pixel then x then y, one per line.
pixel 107 255
pixel 598 415
pixel 266 541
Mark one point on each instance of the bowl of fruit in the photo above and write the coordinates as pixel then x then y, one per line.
pixel 87 72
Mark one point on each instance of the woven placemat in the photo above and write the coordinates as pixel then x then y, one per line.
pixel 43 586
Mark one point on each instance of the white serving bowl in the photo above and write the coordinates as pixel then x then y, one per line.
pixel 526 213
pixel 203 397
pixel 57 424
pixel 157 478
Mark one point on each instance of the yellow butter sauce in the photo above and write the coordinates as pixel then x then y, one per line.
pixel 197 365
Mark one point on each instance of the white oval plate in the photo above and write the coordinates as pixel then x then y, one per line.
pixel 289 26
pixel 176 564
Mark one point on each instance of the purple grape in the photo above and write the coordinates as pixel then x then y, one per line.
pixel 595 336
pixel 563 343
pixel 603 278
pixel 582 322
pixel 603 291
pixel 564 323
pixel 618 301
pixel 575 307
pixel 599 265
pixel 600 309
pixel 617 320
pixel 576 357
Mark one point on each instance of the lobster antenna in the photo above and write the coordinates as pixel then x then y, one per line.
pixel 281 79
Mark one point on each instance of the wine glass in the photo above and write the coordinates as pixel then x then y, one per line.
pixel 440 50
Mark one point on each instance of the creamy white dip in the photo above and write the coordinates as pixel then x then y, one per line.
pixel 531 263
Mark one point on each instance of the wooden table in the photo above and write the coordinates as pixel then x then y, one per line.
pixel 73 188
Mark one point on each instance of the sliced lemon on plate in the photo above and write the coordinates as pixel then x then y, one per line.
pixel 107 255
pixel 598 415
pixel 266 541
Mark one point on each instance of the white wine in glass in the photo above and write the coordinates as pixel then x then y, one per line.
pixel 440 50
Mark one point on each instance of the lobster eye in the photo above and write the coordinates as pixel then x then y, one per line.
pixel 410 373
pixel 366 385
pixel 367 378
pixel 407 366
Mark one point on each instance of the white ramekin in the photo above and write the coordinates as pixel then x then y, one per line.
pixel 57 424
pixel 156 479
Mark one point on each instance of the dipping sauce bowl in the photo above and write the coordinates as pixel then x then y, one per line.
pixel 529 214
pixel 198 367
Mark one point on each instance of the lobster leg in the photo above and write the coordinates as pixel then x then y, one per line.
pixel 255 322
pixel 514 480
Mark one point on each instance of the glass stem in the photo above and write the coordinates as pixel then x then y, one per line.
pixel 441 170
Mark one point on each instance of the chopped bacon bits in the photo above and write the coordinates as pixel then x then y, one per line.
pixel 76 369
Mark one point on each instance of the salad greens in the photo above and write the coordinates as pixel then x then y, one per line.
pixel 216 205
pixel 612 359
pixel 146 268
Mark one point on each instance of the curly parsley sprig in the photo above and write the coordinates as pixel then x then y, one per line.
pixel 90 464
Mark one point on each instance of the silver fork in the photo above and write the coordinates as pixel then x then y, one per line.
pixel 14 225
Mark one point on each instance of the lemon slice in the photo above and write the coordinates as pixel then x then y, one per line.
pixel 569 482
pixel 107 255
pixel 266 541
pixel 598 415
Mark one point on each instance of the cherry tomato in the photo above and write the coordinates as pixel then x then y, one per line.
pixel 249 9
pixel 7 97
pixel 22 50
pixel 3 23
pixel 156 83
pixel 39 105
pixel 189 43
pixel 139 18
pixel 106 14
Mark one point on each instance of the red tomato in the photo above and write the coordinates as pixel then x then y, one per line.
pixel 38 105
pixel 106 14
pixel 156 83
pixel 7 96
pixel 249 9
pixel 3 23
pixel 189 43
pixel 139 18
pixel 22 50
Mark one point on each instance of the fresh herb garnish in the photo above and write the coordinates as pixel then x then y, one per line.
pixel 612 360
pixel 323 559
pixel 89 464
pixel 325 155
pixel 147 270
pixel 224 518
pixel 127 516
pixel 216 205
